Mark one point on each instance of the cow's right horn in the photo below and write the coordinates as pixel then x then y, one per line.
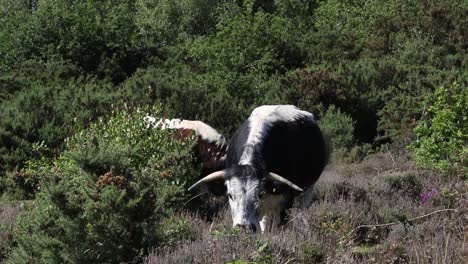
pixel 276 177
pixel 218 175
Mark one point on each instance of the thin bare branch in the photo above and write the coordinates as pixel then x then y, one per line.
pixel 395 223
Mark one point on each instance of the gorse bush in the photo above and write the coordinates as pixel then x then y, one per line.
pixel 47 103
pixel 217 60
pixel 98 36
pixel 23 184
pixel 108 196
pixel 442 132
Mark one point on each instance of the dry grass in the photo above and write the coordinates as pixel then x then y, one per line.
pixel 346 223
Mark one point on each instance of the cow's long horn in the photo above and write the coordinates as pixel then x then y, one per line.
pixel 276 177
pixel 211 177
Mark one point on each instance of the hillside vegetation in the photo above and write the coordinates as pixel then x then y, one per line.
pixel 83 180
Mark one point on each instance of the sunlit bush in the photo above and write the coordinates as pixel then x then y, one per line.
pixel 108 196
pixel 442 132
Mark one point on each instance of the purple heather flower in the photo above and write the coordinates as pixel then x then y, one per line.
pixel 426 196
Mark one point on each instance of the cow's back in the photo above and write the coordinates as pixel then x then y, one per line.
pixel 295 150
pixel 292 147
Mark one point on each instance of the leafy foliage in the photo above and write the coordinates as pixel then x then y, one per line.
pixel 112 190
pixel 442 132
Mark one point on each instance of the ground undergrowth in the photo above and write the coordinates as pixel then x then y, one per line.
pixel 381 210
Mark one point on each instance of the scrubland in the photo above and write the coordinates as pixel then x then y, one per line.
pixel 84 180
pixel 381 210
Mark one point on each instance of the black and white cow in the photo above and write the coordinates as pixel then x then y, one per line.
pixel 276 154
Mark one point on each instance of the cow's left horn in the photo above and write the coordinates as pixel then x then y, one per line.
pixel 276 177
pixel 218 175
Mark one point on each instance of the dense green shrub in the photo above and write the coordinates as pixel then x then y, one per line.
pixel 261 43
pixel 47 103
pixel 380 59
pixel 107 197
pixel 109 39
pixel 442 132
pixel 217 60
pixel 24 183
pixel 222 99
pixel 339 127
pixel 165 23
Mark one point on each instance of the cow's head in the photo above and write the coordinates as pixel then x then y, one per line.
pixel 245 187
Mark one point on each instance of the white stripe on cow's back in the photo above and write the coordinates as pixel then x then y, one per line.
pixel 261 118
pixel 205 131
pixel 201 129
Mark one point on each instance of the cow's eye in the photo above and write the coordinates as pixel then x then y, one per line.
pixel 229 196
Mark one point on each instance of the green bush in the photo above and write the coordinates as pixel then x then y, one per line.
pixel 108 196
pixel 187 95
pixel 164 23
pixel 339 127
pixel 100 37
pixel 45 103
pixel 217 60
pixel 23 184
pixel 442 132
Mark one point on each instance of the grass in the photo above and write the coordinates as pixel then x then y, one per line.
pixel 381 210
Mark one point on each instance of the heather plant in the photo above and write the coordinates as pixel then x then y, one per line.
pixel 359 218
pixel 404 183
pixel 109 196
pixel 426 197
pixel 442 132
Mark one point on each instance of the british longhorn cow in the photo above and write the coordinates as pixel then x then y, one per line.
pixel 276 154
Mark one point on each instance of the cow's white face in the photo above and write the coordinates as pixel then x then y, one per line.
pixel 244 200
